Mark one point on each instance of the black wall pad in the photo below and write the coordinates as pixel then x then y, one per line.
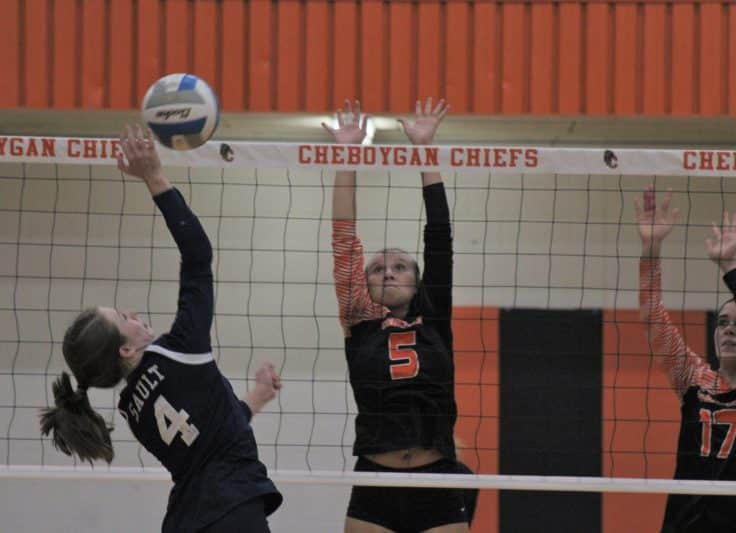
pixel 550 415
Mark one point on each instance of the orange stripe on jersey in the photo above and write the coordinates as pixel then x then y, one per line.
pixel 684 367
pixel 350 284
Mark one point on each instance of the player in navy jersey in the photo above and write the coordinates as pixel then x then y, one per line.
pixel 398 345
pixel 708 396
pixel 176 401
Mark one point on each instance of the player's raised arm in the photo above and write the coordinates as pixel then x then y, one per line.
pixel 352 296
pixel 351 129
pixel 190 332
pixel 655 223
pixel 437 278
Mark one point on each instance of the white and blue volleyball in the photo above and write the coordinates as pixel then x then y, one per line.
pixel 181 110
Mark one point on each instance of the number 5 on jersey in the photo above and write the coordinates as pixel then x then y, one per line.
pixel 172 422
pixel 404 360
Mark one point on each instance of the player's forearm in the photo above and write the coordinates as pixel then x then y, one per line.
pixel 157 184
pixel 185 227
pixel 256 400
pixel 343 196
pixel 651 249
pixel 430 178
pixel 664 339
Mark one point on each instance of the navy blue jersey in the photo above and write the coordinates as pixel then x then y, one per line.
pixel 401 371
pixel 182 409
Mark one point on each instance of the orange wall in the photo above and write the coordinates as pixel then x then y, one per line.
pixel 475 338
pixel 640 412
pixel 546 57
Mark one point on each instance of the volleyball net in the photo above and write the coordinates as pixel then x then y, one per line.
pixel 556 385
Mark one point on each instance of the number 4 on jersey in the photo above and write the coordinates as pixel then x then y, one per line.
pixel 172 422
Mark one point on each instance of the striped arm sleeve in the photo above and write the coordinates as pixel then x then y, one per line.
pixel 355 304
pixel 683 366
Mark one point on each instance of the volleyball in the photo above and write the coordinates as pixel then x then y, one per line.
pixel 181 110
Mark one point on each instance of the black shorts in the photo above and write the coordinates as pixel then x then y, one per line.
pixel 410 509
pixel 248 517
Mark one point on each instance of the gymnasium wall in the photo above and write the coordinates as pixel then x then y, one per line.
pixel 510 57
pixel 542 58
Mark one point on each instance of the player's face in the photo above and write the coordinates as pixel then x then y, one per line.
pixel 391 279
pixel 137 333
pixel 726 331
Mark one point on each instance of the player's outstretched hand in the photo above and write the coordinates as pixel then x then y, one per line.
pixel 426 121
pixel 655 221
pixel 351 126
pixel 722 247
pixel 139 158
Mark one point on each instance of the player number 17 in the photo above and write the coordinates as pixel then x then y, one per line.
pixel 725 417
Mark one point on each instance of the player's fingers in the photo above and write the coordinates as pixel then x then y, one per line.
pixel 444 111
pixel 140 139
pixel 637 206
pixel 126 143
pixel 364 124
pixel 439 107
pixel 122 165
pixel 649 200
pixel 667 200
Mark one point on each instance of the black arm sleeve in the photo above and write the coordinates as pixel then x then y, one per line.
pixel 190 332
pixel 246 410
pixel 730 279
pixel 437 278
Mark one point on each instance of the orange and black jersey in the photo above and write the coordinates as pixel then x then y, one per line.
pixel 401 371
pixel 708 414
pixel 182 409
